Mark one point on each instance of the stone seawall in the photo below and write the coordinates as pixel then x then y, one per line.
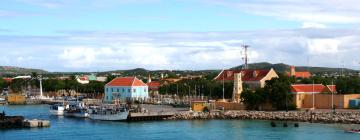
pixel 303 116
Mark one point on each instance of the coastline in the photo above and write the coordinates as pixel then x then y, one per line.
pixel 346 117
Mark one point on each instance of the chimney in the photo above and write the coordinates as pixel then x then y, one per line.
pixel 255 73
pixel 149 79
pixel 292 70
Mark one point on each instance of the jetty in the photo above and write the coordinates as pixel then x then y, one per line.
pixel 153 112
pixel 10 122
pixel 150 116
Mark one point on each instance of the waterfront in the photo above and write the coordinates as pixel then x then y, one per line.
pixel 65 128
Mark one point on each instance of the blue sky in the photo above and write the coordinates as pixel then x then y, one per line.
pixel 97 35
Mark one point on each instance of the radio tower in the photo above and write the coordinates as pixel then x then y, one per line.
pixel 245 56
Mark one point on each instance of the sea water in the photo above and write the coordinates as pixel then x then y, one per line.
pixel 63 128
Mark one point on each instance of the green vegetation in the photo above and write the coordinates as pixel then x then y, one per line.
pixel 205 87
pixel 3 84
pixel 253 100
pixel 276 92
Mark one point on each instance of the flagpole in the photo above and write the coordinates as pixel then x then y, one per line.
pixel 313 99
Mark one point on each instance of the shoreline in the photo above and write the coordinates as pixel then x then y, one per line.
pixel 296 116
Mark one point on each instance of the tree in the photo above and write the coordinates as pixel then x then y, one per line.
pixel 253 100
pixel 3 83
pixel 278 90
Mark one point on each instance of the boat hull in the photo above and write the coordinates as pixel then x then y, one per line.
pixel 57 112
pixel 77 115
pixel 121 116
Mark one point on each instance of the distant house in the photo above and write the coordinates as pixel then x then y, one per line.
pixel 8 80
pixel 92 77
pixel 130 88
pixel 153 87
pixel 252 78
pixel 82 79
pixel 298 74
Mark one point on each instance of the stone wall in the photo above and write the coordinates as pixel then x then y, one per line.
pixel 303 116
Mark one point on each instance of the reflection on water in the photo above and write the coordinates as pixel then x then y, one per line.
pixel 86 129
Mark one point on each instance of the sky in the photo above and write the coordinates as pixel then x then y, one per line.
pixel 101 35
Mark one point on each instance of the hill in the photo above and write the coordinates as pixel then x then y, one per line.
pixel 9 70
pixel 280 67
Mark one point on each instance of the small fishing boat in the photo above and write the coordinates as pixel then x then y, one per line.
pixel 108 113
pixel 353 131
pixel 57 109
pixel 76 110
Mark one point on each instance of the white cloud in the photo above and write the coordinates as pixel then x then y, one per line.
pixel 186 50
pixel 323 46
pixel 313 25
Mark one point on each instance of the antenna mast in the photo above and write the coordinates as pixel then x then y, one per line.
pixel 245 56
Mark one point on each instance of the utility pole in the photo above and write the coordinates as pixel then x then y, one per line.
pixel 332 95
pixel 223 80
pixel 313 93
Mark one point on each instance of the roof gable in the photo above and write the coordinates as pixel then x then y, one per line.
pixel 312 88
pixel 126 81
pixel 247 75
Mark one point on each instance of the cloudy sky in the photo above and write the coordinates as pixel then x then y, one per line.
pixel 98 35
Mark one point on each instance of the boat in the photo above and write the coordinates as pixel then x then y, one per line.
pixel 57 109
pixel 76 110
pixel 353 131
pixel 108 113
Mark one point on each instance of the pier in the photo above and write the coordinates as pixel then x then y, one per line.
pixel 154 112
pixel 149 116
pixel 9 122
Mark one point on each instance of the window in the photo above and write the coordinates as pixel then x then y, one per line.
pixel 129 90
pixel 107 89
pixel 107 97
pixel 118 90
pixel 112 90
pixel 144 89
pixel 134 90
pixel 123 89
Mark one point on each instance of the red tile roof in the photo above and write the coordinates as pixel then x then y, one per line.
pixel 247 75
pixel 126 81
pixel 310 88
pixel 9 80
pixel 154 84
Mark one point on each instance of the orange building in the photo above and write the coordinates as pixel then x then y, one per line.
pixel 298 74
pixel 320 96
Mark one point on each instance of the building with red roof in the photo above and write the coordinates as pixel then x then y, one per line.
pixel 8 80
pixel 316 95
pixel 252 78
pixel 312 88
pixel 299 74
pixel 125 88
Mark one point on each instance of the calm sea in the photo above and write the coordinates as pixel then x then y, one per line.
pixel 85 129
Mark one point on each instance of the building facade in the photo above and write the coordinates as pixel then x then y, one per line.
pixel 298 74
pixel 315 96
pixel 251 78
pixel 125 88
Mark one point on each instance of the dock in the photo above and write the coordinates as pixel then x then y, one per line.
pixel 154 112
pixel 10 122
pixel 149 116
